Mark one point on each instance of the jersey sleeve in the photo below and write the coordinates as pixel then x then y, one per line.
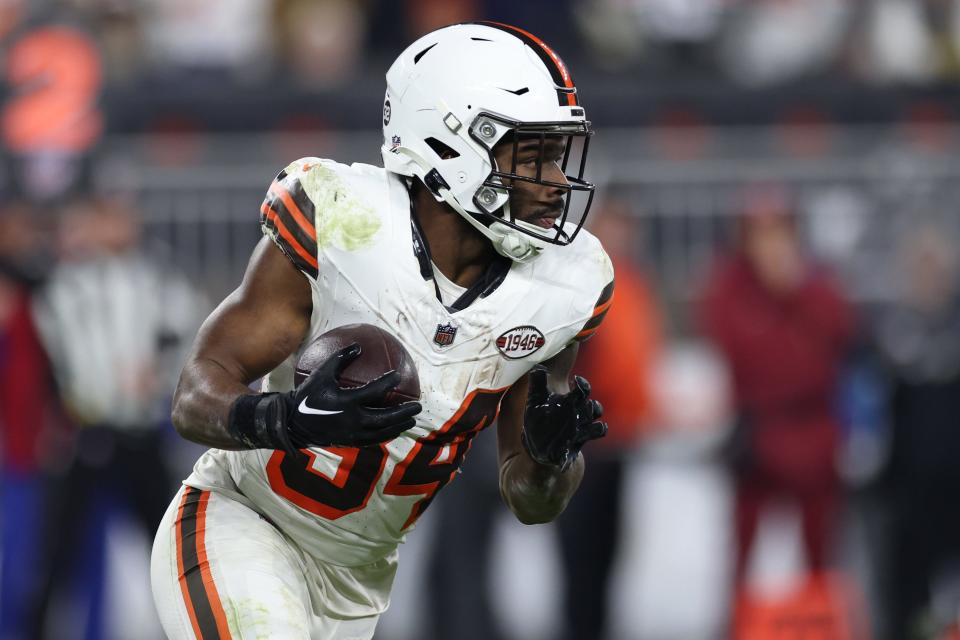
pixel 288 217
pixel 600 309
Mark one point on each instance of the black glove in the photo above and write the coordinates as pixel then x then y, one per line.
pixel 557 425
pixel 320 412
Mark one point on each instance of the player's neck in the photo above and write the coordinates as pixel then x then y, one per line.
pixel 459 251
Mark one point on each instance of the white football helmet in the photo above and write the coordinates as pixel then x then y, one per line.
pixel 455 93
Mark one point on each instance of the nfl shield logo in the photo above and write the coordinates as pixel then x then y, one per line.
pixel 445 334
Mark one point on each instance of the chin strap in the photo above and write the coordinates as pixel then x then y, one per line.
pixel 508 242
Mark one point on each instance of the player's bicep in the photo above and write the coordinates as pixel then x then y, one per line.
pixel 262 322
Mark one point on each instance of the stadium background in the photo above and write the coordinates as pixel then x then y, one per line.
pixel 845 109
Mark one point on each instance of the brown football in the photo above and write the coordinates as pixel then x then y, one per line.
pixel 381 352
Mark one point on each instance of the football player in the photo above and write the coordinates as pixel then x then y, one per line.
pixel 467 245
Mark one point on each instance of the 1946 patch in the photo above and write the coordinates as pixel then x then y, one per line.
pixel 520 342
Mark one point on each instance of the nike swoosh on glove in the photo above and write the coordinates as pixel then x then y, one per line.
pixel 321 413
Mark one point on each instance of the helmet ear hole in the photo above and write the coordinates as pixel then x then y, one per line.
pixel 443 150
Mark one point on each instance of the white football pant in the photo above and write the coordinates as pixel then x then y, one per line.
pixel 219 570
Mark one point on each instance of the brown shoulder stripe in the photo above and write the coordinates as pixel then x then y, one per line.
pixel 599 313
pixel 584 335
pixel 605 296
pixel 299 206
pixel 290 214
pixel 287 242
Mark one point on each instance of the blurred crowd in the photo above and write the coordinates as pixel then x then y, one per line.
pixel 326 42
pixel 842 392
pixel 92 331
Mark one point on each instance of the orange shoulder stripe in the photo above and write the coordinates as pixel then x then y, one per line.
pixel 286 235
pixel 601 308
pixel 302 222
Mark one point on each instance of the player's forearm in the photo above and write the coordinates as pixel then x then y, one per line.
pixel 537 493
pixel 202 402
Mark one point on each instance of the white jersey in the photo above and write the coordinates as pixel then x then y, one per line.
pixel 348 229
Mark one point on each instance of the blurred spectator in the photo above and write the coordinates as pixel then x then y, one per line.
pixel 612 35
pixel 549 20
pixel 618 362
pixel 219 37
pixel 27 414
pixel 784 329
pixel 679 22
pixel 618 31
pixel 118 25
pixel 114 324
pixel 773 41
pixel 320 42
pixel 11 12
pixel 919 342
pixel 425 16
pixel 898 42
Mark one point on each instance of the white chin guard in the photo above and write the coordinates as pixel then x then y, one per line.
pixel 513 245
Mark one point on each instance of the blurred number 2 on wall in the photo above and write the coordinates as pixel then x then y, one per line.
pixel 54 75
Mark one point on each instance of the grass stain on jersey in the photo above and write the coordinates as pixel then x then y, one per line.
pixel 342 220
pixel 250 618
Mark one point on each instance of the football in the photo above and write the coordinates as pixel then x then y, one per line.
pixel 381 352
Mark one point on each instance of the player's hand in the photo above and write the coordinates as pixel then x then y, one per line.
pixel 323 413
pixel 557 425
